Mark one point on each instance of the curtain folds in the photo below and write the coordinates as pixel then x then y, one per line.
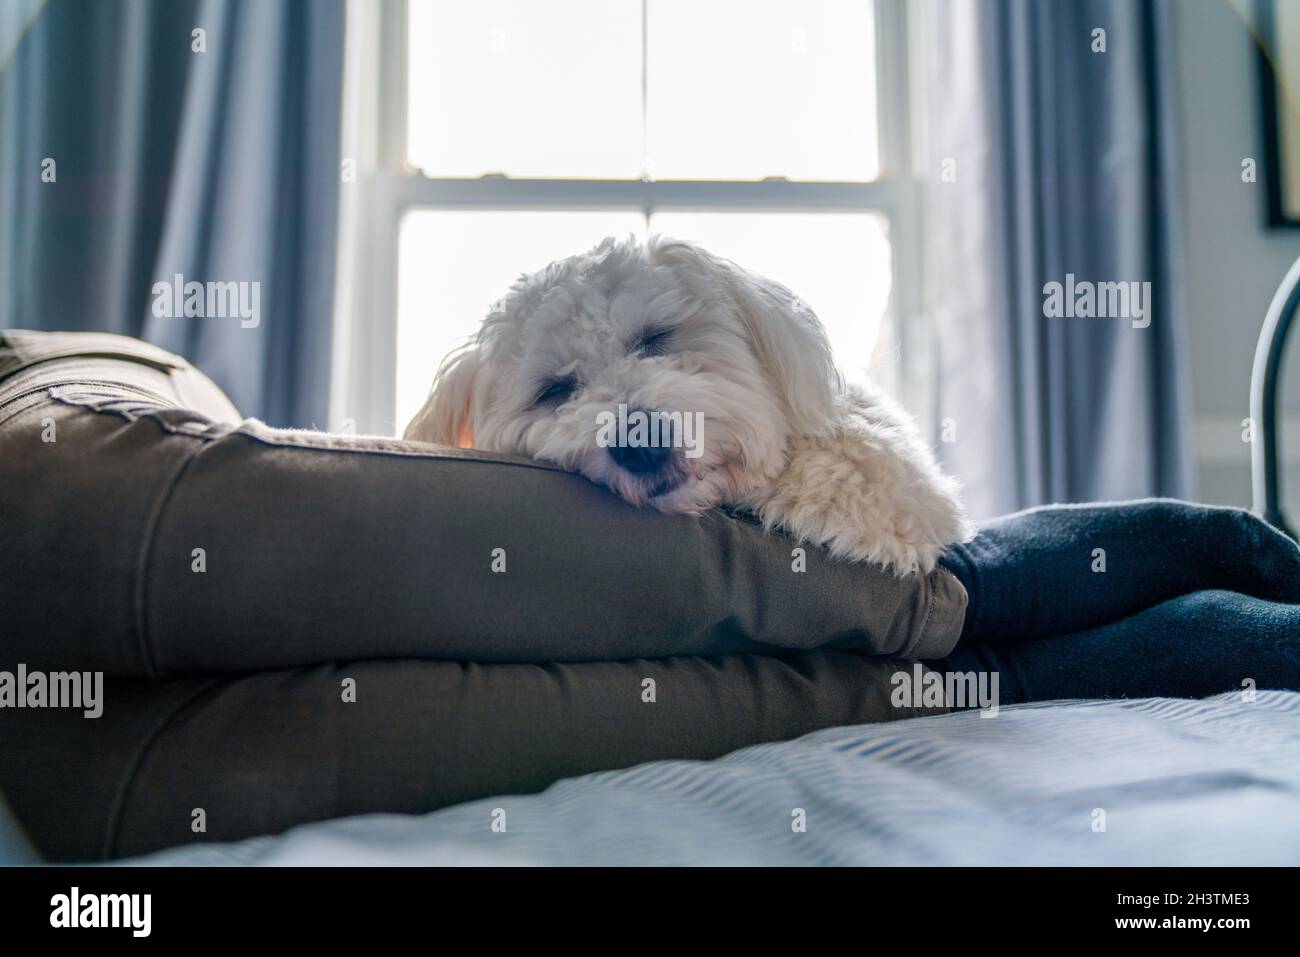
pixel 210 157
pixel 1051 155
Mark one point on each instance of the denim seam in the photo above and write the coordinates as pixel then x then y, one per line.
pixel 925 619
pixel 146 555
pixel 118 808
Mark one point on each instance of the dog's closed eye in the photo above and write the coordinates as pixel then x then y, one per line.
pixel 555 391
pixel 653 342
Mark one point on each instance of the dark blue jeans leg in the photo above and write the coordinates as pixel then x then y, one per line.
pixel 1062 569
pixel 1196 645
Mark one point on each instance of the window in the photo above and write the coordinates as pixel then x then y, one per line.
pixel 489 137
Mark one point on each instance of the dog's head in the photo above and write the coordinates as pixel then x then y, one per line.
pixel 672 376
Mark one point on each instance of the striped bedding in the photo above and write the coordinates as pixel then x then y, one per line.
pixel 1150 781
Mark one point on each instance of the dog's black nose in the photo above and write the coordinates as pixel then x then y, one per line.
pixel 640 458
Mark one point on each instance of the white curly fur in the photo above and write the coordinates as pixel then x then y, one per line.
pixel 783 436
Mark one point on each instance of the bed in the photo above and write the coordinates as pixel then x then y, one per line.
pixel 1154 781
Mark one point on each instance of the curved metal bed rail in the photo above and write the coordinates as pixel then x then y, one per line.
pixel 1265 481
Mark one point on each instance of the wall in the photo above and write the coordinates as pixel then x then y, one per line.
pixel 1234 261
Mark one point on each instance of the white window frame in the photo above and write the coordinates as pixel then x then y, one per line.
pixel 378 188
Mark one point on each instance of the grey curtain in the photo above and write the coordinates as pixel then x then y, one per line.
pixel 220 166
pixel 1049 159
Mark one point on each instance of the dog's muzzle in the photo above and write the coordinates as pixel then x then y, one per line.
pixel 640 459
pixel 653 462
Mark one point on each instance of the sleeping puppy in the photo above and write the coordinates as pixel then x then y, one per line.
pixel 682 382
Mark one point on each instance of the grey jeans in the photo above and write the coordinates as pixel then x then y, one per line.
pixel 502 624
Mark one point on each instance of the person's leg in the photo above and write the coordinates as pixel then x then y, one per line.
pixel 1200 644
pixel 1066 568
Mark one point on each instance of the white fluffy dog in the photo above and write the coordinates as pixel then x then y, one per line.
pixel 665 327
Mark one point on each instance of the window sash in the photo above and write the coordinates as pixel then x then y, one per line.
pixel 503 192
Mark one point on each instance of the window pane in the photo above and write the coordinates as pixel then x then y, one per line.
pixel 453 265
pixel 838 263
pixel 746 89
pixel 525 88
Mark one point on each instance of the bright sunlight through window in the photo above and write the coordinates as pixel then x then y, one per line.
pixel 674 90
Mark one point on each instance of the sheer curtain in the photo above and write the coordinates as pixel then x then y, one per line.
pixel 1050 136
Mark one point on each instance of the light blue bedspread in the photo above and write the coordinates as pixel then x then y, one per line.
pixel 1151 781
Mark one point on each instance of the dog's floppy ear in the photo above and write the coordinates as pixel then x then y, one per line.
pixel 785 335
pixel 445 418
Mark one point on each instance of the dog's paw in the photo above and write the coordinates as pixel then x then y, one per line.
pixel 870 491
pixel 900 543
pixel 894 553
